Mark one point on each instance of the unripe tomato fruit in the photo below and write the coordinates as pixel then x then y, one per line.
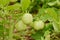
pixel 38 25
pixel 27 18
pixel 20 26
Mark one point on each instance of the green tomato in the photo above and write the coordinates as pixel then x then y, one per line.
pixel 38 25
pixel 20 26
pixel 27 18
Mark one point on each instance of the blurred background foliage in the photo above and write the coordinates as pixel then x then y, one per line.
pixel 11 12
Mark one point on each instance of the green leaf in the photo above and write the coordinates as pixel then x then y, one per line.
pixel 25 4
pixel 1 30
pixel 43 15
pixel 54 17
pixel 56 27
pixel 46 33
pixel 42 38
pixel 47 37
pixel 52 3
pixel 41 12
pixel 59 16
pixel 37 35
pixel 48 26
pixel 4 2
pixel 13 7
pixel 52 13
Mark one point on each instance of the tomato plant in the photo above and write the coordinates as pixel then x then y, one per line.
pixel 29 19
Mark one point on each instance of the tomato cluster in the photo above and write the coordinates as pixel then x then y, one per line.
pixel 27 19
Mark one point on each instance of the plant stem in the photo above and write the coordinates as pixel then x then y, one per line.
pixel 11 32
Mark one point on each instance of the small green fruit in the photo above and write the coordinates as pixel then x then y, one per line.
pixel 38 25
pixel 27 18
pixel 20 26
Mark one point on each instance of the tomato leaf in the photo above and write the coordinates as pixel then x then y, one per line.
pixel 25 4
pixel 13 7
pixel 37 35
pixel 51 12
pixel 1 30
pixel 4 2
